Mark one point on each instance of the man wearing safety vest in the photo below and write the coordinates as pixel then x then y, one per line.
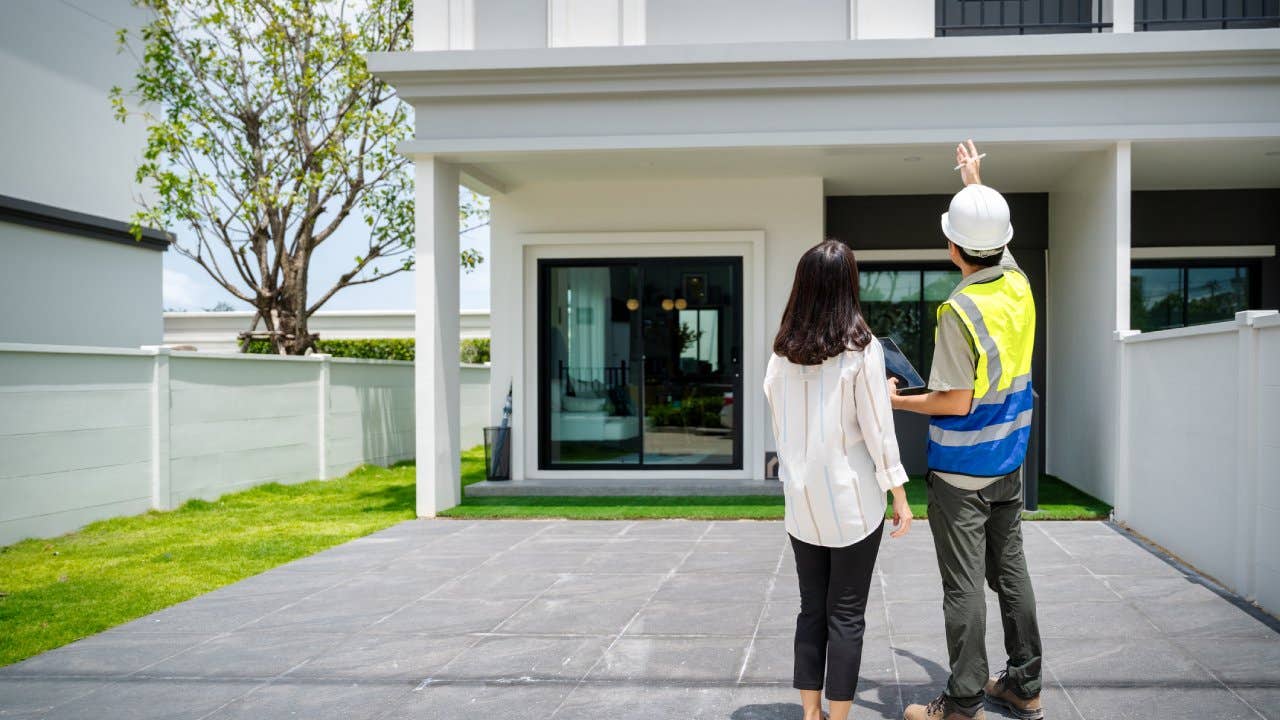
pixel 980 423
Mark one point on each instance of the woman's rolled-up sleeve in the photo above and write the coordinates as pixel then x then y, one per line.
pixel 875 417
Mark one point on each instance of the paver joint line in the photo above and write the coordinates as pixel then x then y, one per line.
pixel 1138 609
pixel 624 629
pixel 583 618
pixel 427 681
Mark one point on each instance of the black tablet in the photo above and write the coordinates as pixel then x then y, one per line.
pixel 896 365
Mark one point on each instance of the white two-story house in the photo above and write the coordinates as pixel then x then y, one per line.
pixel 656 167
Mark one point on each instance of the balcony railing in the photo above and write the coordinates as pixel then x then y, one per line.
pixel 1018 17
pixel 1205 15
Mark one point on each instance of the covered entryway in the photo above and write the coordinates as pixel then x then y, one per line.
pixel 651 151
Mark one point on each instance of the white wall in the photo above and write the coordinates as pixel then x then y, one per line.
pixel 509 24
pixel 75 435
pixel 215 332
pixel 679 22
pixel 789 212
pixel 60 143
pixel 64 289
pixel 1198 474
pixel 1088 302
pixel 878 19
pixel 90 433
pixel 503 24
pixel 588 23
pixel 370 414
pixel 473 402
pixel 1266 405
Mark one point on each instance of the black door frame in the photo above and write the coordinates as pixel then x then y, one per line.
pixel 543 369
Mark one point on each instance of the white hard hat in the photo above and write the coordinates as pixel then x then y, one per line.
pixel 978 220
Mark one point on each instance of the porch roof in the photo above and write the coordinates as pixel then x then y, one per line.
pixel 473 105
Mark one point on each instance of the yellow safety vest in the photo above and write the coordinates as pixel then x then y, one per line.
pixel 991 440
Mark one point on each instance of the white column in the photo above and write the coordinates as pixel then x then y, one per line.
pixel 161 499
pixel 1124 458
pixel 880 19
pixel 1122 15
pixel 1087 304
pixel 1248 442
pixel 444 25
pixel 436 374
pixel 322 416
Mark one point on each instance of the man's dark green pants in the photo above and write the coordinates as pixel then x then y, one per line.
pixel 978 537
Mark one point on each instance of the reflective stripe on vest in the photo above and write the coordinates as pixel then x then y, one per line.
pixel 992 439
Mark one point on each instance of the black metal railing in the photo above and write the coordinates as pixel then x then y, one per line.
pixel 1205 14
pixel 1018 17
pixel 610 377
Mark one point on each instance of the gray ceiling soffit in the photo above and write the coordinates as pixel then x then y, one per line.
pixel 48 217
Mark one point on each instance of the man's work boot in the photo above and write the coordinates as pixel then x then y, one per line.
pixel 942 708
pixel 1002 695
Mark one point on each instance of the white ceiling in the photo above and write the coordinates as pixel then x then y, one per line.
pixel 895 170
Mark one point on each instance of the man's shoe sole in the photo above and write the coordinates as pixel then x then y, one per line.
pixel 1018 713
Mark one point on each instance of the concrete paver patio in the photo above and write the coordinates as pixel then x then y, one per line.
pixel 653 619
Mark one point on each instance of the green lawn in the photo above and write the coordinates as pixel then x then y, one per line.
pixel 58 590
pixel 1058 501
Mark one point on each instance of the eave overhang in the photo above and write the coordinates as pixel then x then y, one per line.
pixel 49 217
pixel 1166 85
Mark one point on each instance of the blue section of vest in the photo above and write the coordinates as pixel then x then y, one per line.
pixel 988 459
pixel 990 414
pixel 992 458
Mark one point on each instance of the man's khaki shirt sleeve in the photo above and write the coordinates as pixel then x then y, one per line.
pixel 955 362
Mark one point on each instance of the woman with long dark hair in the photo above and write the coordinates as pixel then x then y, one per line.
pixel 838 456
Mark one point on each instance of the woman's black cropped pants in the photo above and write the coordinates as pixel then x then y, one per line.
pixel 834 583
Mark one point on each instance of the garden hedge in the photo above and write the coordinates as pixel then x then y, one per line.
pixel 472 350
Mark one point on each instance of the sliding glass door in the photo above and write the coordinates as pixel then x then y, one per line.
pixel 640 363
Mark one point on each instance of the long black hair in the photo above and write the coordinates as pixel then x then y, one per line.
pixel 823 317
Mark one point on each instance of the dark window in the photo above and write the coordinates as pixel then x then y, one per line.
pixel 1205 14
pixel 1018 17
pixel 901 302
pixel 1175 294
pixel 640 363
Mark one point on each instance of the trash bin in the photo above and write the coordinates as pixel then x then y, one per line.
pixel 497 453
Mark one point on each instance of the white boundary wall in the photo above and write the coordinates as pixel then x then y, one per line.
pixel 219 331
pixel 88 433
pixel 1199 467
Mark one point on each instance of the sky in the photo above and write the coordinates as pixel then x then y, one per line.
pixel 188 287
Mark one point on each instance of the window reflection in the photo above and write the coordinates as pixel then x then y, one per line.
pixel 1169 295
pixel 902 303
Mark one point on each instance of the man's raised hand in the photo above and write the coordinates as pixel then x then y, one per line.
pixel 968 161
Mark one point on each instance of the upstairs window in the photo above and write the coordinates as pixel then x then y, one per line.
pixel 1205 14
pixel 1019 17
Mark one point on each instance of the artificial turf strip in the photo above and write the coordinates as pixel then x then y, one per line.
pixel 58 590
pixel 1058 501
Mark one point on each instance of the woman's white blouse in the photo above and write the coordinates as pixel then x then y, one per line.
pixel 837 452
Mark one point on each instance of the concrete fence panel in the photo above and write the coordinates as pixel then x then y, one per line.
pixel 238 420
pixel 91 433
pixel 1267 509
pixel 370 414
pixel 75 437
pixel 1200 447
